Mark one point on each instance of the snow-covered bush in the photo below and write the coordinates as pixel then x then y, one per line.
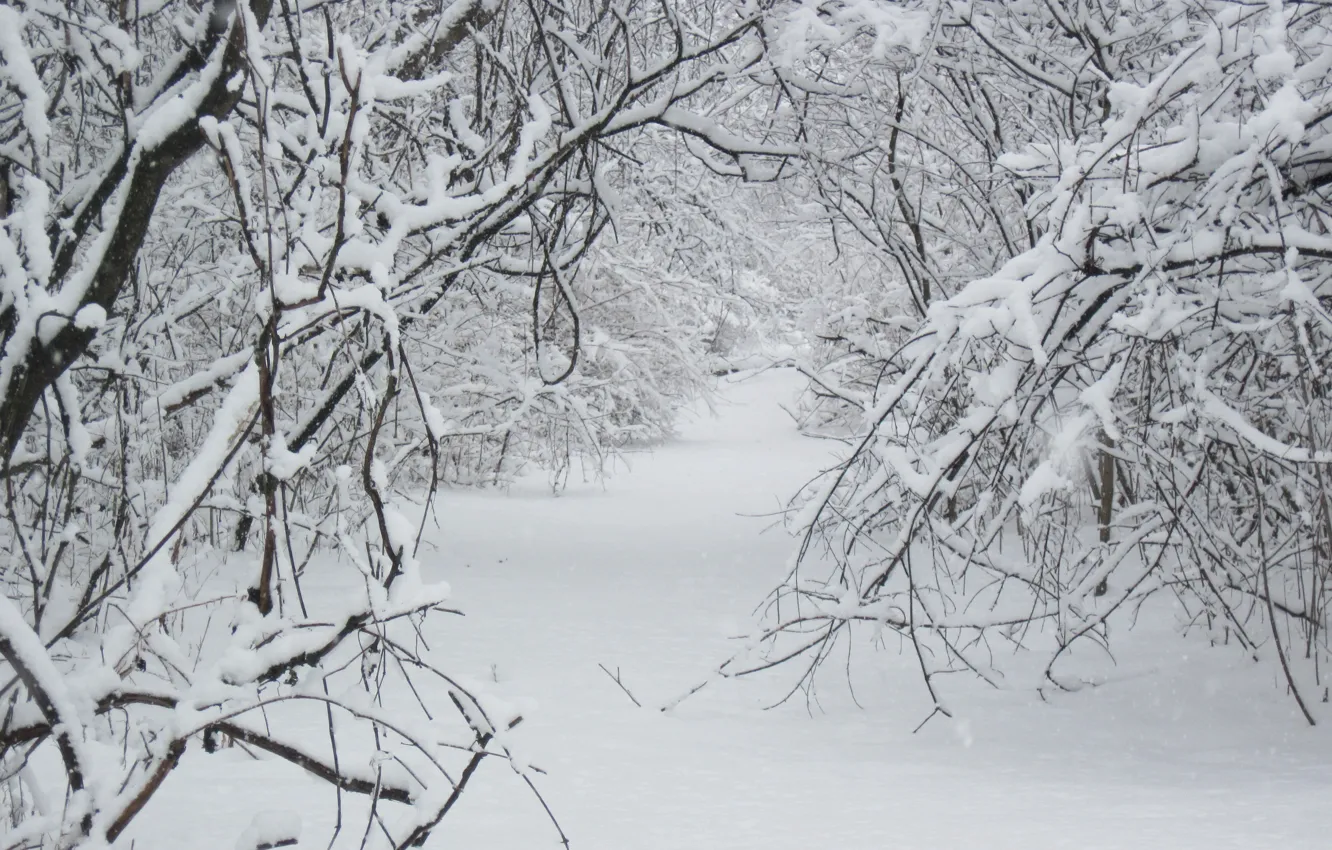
pixel 1112 223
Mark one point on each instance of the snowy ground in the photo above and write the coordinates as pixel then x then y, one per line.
pixel 651 573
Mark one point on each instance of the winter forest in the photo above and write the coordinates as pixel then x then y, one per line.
pixel 665 423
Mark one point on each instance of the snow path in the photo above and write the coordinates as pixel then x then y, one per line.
pixel 654 572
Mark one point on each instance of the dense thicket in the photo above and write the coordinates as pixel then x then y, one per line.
pixel 1093 368
pixel 271 273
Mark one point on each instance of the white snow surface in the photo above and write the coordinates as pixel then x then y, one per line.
pixel 269 829
pixel 652 572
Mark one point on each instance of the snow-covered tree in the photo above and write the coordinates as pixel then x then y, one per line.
pixel 270 272
pixel 1096 367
